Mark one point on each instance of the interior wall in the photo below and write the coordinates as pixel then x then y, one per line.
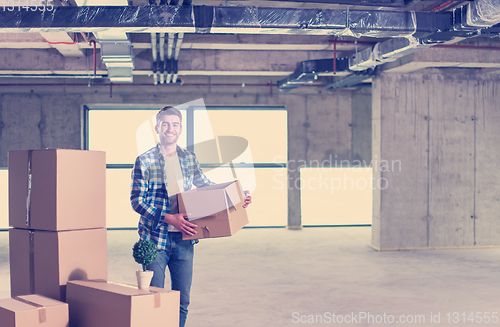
pixel 362 126
pixel 320 122
pixel 434 137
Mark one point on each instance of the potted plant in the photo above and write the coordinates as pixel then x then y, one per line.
pixel 144 252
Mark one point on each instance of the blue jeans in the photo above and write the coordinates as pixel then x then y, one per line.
pixel 178 256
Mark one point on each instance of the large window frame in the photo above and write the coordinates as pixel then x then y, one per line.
pixel 189 130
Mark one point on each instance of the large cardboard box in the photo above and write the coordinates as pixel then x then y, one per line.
pixel 42 262
pixel 106 304
pixel 33 310
pixel 68 189
pixel 217 210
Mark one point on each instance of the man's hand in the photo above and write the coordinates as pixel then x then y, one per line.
pixel 248 199
pixel 180 222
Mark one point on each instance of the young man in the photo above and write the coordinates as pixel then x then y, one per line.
pixel 159 175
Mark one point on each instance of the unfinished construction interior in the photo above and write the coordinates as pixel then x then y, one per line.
pixel 405 91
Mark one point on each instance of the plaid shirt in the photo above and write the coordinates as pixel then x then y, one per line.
pixel 149 196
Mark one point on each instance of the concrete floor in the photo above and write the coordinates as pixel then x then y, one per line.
pixel 279 277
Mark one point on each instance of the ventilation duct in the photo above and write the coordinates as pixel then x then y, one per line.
pixel 384 52
pixel 483 13
pixel 353 79
pixel 204 19
pixel 469 20
pixel 307 72
pixel 472 18
pixel 491 31
pixel 116 53
pixel 426 27
pixel 116 49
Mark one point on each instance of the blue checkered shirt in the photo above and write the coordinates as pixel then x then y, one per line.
pixel 149 196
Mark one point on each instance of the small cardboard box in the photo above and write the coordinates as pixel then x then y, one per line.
pixel 42 262
pixel 68 189
pixel 33 310
pixel 106 304
pixel 217 209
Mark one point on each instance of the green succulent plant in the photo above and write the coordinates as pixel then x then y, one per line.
pixel 144 252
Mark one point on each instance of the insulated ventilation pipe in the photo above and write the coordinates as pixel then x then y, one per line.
pixel 478 17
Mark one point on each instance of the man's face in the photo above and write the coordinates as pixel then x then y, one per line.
pixel 169 129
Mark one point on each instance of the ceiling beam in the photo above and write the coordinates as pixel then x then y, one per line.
pixel 63 42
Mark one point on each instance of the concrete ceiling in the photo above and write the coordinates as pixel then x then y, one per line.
pixel 58 55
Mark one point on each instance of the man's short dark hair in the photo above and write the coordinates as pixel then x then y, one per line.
pixel 169 111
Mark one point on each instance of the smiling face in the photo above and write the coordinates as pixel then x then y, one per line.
pixel 169 129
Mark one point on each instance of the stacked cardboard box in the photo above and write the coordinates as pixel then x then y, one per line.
pixel 57 209
pixel 33 310
pixel 105 304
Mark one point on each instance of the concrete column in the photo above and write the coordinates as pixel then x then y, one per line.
pixel 487 165
pixel 430 160
pixel 297 149
pixel 319 132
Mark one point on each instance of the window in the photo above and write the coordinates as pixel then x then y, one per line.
pixel 333 196
pixel 124 132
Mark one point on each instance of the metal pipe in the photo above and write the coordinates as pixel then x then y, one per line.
pixel 170 45
pixel 155 57
pixel 142 84
pixel 334 57
pixel 95 62
pixel 169 70
pixel 162 57
pixel 162 46
pixel 170 48
pixel 153 46
pixel 49 76
pixel 174 71
pixel 180 38
pixel 351 42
